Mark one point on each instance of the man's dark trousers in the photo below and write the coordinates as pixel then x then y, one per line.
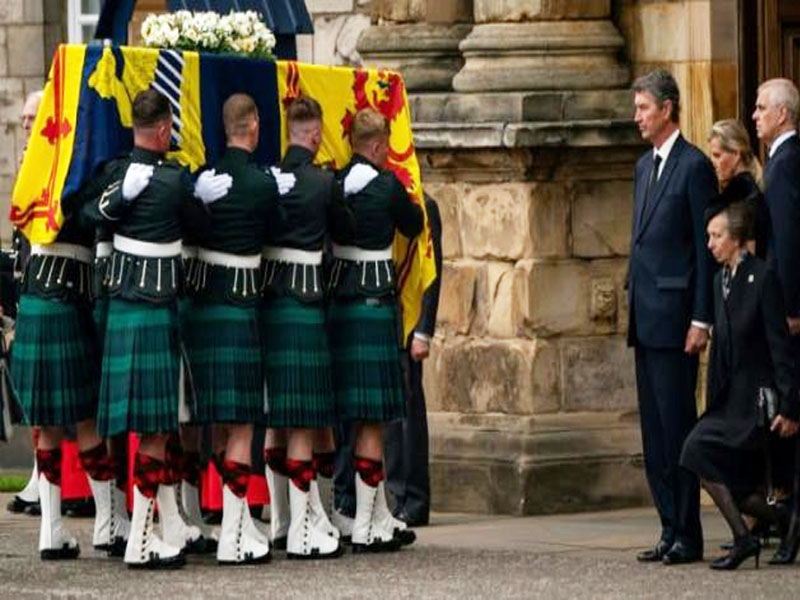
pixel 407 477
pixel 665 382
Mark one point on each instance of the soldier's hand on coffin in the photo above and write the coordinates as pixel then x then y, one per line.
pixel 210 187
pixel 137 177
pixel 285 181
pixel 358 178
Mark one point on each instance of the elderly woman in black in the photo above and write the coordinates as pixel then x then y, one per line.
pixel 750 350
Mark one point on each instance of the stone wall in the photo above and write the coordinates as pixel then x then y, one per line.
pixel 23 56
pixel 530 385
pixel 697 40
pixel 337 27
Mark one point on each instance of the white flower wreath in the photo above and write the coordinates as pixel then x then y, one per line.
pixel 236 32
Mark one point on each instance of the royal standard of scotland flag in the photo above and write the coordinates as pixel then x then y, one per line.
pixel 85 119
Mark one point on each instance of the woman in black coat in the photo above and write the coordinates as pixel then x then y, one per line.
pixel 750 350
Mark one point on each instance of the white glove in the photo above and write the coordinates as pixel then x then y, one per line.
pixel 136 179
pixel 358 178
pixel 285 181
pixel 210 187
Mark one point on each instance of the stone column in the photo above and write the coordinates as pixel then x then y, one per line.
pixel 541 45
pixel 529 150
pixel 418 38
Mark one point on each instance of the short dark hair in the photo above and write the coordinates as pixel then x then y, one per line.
pixel 741 221
pixel 662 86
pixel 303 109
pixel 150 107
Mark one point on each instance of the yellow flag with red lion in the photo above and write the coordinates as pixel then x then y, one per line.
pixel 342 92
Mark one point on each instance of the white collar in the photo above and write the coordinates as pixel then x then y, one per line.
pixel 779 140
pixel 666 147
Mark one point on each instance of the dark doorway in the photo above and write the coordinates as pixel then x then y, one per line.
pixel 769 34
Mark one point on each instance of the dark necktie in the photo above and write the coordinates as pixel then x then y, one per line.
pixel 727 277
pixel 651 184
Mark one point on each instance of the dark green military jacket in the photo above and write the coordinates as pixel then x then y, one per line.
pixel 309 210
pixel 59 278
pixel 382 207
pixel 239 222
pixel 164 211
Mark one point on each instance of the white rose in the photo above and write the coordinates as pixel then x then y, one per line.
pixel 172 35
pixel 190 33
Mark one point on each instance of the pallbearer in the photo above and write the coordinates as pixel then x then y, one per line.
pixel 55 369
pixel 149 203
pixel 296 354
pixel 222 330
pixel 363 320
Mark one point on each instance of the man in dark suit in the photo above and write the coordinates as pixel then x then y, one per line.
pixel 670 304
pixel 775 116
pixel 406 453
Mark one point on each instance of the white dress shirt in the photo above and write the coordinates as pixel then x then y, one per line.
pixel 664 151
pixel 779 140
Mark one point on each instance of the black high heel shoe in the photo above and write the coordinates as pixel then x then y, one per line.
pixel 743 548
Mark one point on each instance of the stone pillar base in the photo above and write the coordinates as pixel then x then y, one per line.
pixel 501 464
pixel 545 55
pixel 426 55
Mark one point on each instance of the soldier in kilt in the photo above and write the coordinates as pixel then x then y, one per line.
pixel 222 330
pixel 296 354
pixel 55 364
pixel 363 322
pixel 149 203
pixel 54 367
pixel 184 449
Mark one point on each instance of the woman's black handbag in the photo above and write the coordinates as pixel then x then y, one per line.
pixel 767 404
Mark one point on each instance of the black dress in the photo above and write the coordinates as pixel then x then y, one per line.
pixel 742 187
pixel 749 350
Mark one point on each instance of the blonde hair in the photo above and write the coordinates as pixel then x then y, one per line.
pixel 368 125
pixel 733 137
pixel 237 113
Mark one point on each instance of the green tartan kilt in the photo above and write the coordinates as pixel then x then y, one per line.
pixel 100 317
pixel 140 382
pixel 54 361
pixel 297 364
pixel 224 350
pixel 366 361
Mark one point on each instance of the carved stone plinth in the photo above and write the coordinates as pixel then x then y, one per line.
pixel 548 464
pixel 426 55
pixel 543 55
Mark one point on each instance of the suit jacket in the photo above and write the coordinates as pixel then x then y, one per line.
pixel 782 184
pixel 430 301
pixel 670 272
pixel 750 349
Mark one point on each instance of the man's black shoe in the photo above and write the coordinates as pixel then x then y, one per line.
pixel 681 554
pixel 655 554
pixel 417 520
pixel 18 505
